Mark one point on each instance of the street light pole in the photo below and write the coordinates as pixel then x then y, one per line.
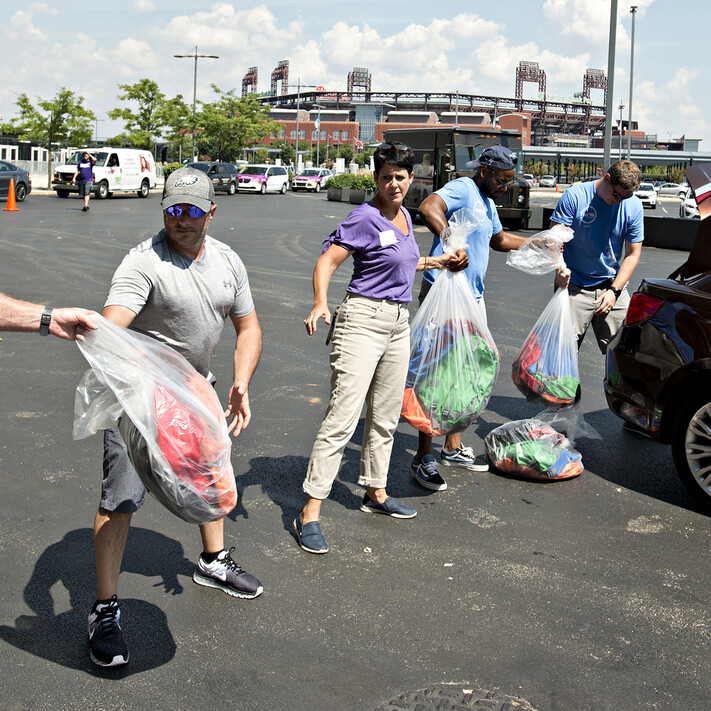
pixel 622 106
pixel 318 135
pixel 196 56
pixel 633 10
pixel 610 84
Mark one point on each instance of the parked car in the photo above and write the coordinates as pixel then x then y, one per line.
pixel 258 178
pixel 528 177
pixel 658 367
pixel 671 189
pixel 647 195
pixel 688 206
pixel 547 181
pixel 310 179
pixel 21 178
pixel 223 175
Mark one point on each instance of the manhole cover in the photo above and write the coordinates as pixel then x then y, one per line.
pixel 453 697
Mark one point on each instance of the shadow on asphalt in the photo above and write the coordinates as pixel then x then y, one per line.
pixel 62 637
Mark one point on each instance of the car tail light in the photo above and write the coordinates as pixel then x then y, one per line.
pixel 642 307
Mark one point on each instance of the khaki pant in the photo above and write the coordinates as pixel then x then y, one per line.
pixel 369 359
pixel 605 326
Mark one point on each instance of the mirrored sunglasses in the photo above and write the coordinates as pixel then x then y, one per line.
pixel 177 211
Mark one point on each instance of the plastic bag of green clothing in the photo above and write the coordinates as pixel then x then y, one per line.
pixel 453 359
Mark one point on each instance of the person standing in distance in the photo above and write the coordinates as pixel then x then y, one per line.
pixel 84 177
pixel 178 287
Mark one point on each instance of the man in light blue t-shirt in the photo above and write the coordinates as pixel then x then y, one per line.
pixel 608 224
pixel 494 173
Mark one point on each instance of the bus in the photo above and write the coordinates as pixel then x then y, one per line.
pixel 441 154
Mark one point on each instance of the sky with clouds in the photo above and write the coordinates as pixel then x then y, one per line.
pixel 471 47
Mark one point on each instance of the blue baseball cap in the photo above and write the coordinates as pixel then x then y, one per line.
pixel 494 157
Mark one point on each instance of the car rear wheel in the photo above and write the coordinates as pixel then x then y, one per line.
pixel 144 190
pixel 62 193
pixel 691 447
pixel 20 192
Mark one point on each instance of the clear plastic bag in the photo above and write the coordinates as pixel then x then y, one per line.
pixel 453 359
pixel 532 449
pixel 546 368
pixel 170 418
pixel 541 253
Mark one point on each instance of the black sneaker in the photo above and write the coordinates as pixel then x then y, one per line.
pixel 425 471
pixel 106 645
pixel 223 573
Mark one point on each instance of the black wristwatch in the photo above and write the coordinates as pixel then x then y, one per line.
pixel 615 291
pixel 45 320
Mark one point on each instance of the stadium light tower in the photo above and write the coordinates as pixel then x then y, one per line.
pixel 196 56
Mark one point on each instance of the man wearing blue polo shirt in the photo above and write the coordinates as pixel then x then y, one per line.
pixel 608 224
pixel 494 173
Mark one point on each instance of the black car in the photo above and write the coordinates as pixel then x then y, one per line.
pixel 658 367
pixel 21 178
pixel 223 175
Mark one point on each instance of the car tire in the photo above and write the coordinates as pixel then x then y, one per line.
pixel 317 189
pixel 691 448
pixel 20 192
pixel 232 189
pixel 263 189
pixel 62 193
pixel 282 190
pixel 654 207
pixel 102 190
pixel 294 189
pixel 144 189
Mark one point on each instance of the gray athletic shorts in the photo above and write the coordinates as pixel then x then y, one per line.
pixel 121 489
pixel 84 187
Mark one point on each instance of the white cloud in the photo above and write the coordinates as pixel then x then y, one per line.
pixel 132 55
pixel 22 22
pixel 144 5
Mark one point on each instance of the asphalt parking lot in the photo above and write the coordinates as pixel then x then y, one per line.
pixel 584 595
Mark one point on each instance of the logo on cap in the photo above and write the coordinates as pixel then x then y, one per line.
pixel 187 180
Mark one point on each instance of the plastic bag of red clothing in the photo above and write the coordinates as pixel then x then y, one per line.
pixel 546 368
pixel 453 359
pixel 170 418
pixel 541 253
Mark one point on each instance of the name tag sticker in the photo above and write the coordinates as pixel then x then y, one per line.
pixel 387 237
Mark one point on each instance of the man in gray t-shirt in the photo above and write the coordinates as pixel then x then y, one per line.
pixel 178 287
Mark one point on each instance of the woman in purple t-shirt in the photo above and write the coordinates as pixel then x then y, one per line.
pixel 371 341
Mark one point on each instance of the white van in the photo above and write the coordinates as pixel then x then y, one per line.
pixel 117 170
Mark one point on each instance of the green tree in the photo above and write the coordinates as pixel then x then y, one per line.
pixel 231 123
pixel 145 118
pixel 363 158
pixel 261 155
pixel 63 119
pixel 178 120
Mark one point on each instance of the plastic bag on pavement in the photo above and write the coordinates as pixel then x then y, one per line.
pixel 533 449
pixel 546 368
pixel 170 418
pixel 453 359
pixel 541 253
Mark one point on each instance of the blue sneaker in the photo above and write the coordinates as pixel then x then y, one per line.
pixel 465 458
pixel 310 537
pixel 389 507
pixel 425 471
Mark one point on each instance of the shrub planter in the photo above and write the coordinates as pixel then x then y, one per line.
pixel 335 194
pixel 358 197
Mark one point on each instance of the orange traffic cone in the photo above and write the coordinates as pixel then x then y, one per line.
pixel 11 206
